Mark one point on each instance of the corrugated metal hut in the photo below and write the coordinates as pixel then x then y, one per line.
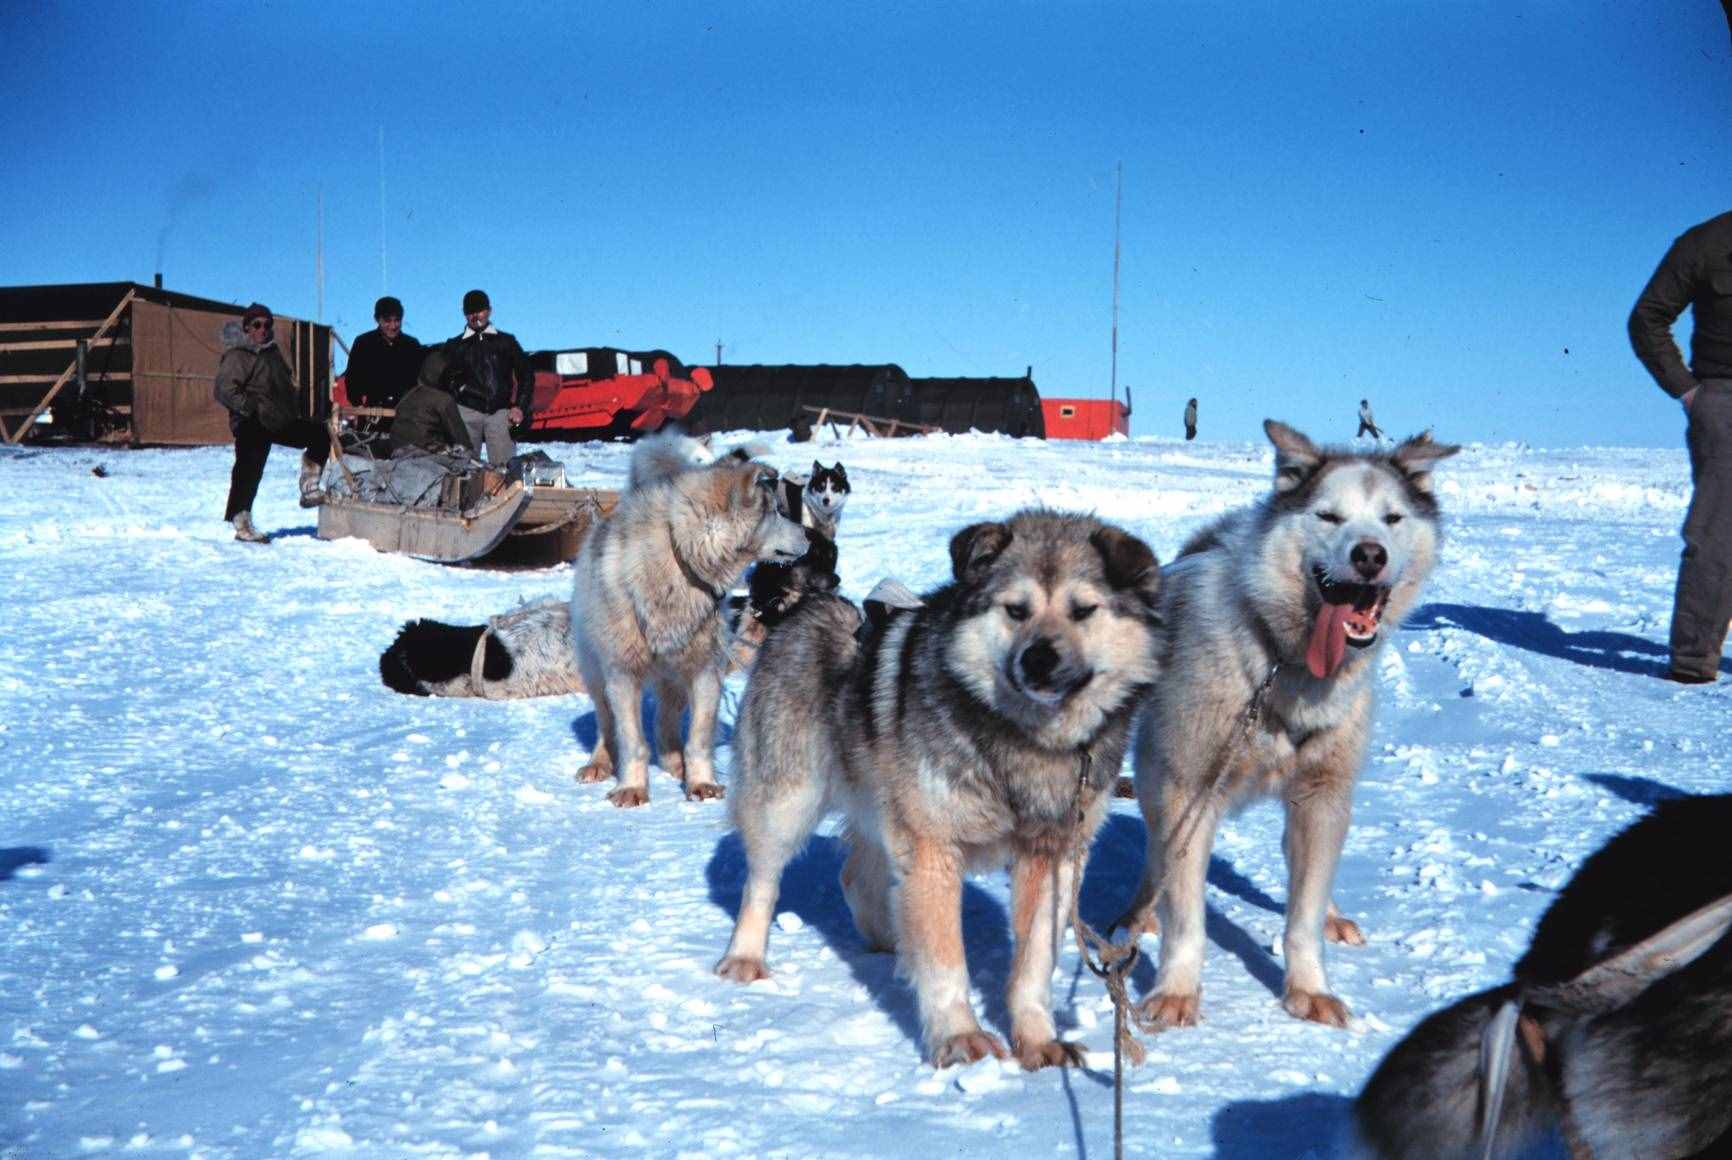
pixel 979 404
pixel 766 398
pixel 134 363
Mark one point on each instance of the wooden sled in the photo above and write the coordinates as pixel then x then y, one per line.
pixel 480 517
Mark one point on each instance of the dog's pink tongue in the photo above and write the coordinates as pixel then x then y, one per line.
pixel 1328 640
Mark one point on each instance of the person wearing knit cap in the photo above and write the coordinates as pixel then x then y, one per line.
pixel 383 362
pixel 491 377
pixel 254 383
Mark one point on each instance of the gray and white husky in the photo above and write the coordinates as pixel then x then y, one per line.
pixel 1273 615
pixel 967 733
pixel 646 606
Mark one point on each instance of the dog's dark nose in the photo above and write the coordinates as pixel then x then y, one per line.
pixel 1368 558
pixel 1039 662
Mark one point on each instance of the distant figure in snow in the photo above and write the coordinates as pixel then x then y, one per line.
pixel 1697 272
pixel 1190 420
pixel 490 375
pixel 1366 422
pixel 254 384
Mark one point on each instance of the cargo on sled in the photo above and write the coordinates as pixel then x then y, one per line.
pixel 451 509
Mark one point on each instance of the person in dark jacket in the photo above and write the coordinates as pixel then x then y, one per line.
pixel 254 382
pixel 1697 273
pixel 427 416
pixel 383 362
pixel 1191 420
pixel 491 377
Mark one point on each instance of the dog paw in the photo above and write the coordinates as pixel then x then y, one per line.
pixel 704 791
pixel 741 969
pixel 628 796
pixel 969 1047
pixel 1159 1012
pixel 1316 1007
pixel 1343 930
pixel 1052 1053
pixel 592 773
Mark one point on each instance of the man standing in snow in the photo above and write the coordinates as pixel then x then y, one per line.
pixel 1366 422
pixel 1190 420
pixel 1697 272
pixel 383 362
pixel 255 384
pixel 491 378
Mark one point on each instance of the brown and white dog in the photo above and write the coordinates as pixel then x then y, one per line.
pixel 965 733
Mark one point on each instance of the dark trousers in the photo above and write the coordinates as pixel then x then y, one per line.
pixel 1368 427
pixel 1703 603
pixel 253 447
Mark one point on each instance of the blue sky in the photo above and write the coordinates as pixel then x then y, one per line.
pixel 1448 208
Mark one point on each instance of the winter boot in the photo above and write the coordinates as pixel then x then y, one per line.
pixel 312 495
pixel 244 530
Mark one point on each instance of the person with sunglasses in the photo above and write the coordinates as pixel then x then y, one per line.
pixel 254 383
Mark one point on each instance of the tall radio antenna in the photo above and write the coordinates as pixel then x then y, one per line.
pixel 1118 196
pixel 384 273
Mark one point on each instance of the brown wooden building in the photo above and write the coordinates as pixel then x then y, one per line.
pixel 124 362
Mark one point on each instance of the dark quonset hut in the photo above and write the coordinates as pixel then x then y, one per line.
pixel 959 405
pixel 766 398
pixel 120 360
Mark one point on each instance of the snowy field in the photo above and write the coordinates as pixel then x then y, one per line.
pixel 253 904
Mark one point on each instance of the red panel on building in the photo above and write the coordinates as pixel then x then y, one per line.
pixel 1085 418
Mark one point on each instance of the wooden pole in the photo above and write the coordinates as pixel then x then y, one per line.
pixel 65 375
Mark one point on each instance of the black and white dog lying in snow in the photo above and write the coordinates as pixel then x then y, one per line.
pixel 526 652
pixel 1616 1030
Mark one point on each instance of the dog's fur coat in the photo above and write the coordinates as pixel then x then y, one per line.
pixel 647 608
pixel 1624 1023
pixel 1248 628
pixel 953 738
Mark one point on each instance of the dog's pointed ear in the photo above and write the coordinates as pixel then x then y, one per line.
pixel 1129 563
pixel 817 468
pixel 751 477
pixel 1418 455
pixel 1296 457
pixel 1613 982
pixel 974 548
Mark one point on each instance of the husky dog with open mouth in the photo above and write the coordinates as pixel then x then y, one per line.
pixel 1272 615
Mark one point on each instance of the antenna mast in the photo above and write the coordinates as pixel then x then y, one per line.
pixel 1118 196
pixel 319 256
pixel 384 274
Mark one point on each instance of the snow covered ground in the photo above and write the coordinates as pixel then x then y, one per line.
pixel 254 904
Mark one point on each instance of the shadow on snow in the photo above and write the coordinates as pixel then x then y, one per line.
pixel 1618 651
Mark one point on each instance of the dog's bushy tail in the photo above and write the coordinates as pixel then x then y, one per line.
pixel 427 652
pixel 664 455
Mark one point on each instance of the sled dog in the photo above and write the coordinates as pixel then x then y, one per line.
pixel 1272 617
pixel 646 608
pixel 522 653
pixel 966 733
pixel 1617 1026
pixel 817 499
